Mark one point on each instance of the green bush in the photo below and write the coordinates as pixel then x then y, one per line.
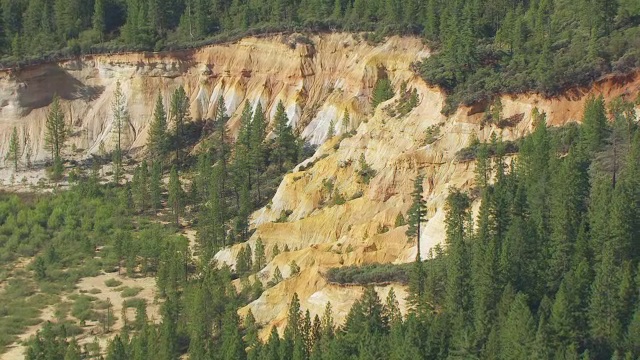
pixel 130 291
pixel 112 282
pixel 82 308
pixel 370 274
pixel 382 91
pixel 134 302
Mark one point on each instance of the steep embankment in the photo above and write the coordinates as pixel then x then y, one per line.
pixel 317 83
pixel 322 237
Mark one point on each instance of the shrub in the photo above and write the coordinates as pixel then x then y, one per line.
pixel 382 91
pixel 370 274
pixel 112 282
pixel 82 308
pixel 134 302
pixel 130 291
pixel 432 134
pixel 294 268
pixel 366 172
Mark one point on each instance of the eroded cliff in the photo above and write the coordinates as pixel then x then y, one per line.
pixel 317 81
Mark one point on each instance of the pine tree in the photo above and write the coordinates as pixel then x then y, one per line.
pixel 141 189
pixel 157 143
pixel 483 167
pixel 155 186
pixel 198 326
pixel 417 212
pixel 169 327
pixel 120 122
pixel 518 331
pixel 13 154
pixel 257 156
pixel 284 142
pixel 457 301
pixel 272 348
pixel 382 91
pixel 99 19
pixel 594 130
pixel 232 347
pixel 179 115
pixel 116 349
pixel 604 305
pixel 223 146
pixel 260 257
pixel 73 351
pixel 346 122
pixel 251 338
pixel 175 195
pixel 56 132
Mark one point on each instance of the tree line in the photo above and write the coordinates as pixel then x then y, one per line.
pixel 483 47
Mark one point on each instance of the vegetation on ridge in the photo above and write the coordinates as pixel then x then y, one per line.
pixel 482 47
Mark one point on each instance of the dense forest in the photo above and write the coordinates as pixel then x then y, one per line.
pixel 549 268
pixel 483 47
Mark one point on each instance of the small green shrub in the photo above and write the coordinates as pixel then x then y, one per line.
pixel 294 268
pixel 370 274
pixel 112 283
pixel 130 291
pixel 382 91
pixel 134 302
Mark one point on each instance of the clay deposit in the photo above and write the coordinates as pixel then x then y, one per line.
pixel 317 84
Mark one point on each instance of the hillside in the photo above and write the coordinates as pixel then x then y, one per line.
pixel 325 211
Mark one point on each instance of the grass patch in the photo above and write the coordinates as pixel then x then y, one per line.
pixel 20 308
pixel 82 308
pixel 112 282
pixel 134 302
pixel 130 291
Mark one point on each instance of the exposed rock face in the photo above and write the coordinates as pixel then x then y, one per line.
pixel 317 84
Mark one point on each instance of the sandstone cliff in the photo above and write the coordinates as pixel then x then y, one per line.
pixel 318 82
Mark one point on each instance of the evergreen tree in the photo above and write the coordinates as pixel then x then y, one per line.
pixel 284 143
pixel 382 91
pixel 157 143
pixel 594 130
pixel 179 115
pixel 56 133
pixel 232 347
pixel 604 305
pixel 175 195
pixel 155 186
pixel 73 351
pixel 518 331
pixel 13 154
pixel 116 349
pixel 223 146
pixel 120 123
pixel 258 151
pixel 99 19
pixel 417 212
pixel 260 257
pixel 458 287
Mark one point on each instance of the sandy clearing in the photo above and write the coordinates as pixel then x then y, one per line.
pixel 16 350
pixel 93 329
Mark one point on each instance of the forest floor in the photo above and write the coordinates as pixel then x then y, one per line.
pixel 97 288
